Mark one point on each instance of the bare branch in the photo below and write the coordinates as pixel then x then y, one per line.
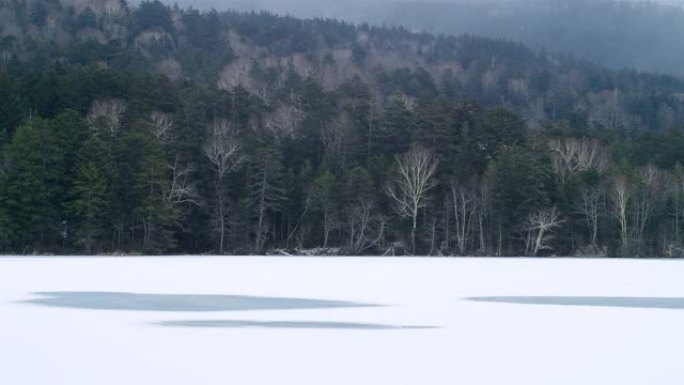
pixel 222 148
pixel 465 204
pixel 621 195
pixel 538 226
pixel 413 179
pixel 578 154
pixel 162 124
pixel 105 114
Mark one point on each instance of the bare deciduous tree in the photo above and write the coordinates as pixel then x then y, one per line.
pixel 620 195
pixel 296 229
pixel 538 228
pixel 464 203
pixel 162 123
pixel 591 204
pixel 366 226
pixel 413 179
pixel 578 154
pixel 284 120
pixel 105 114
pixel 181 189
pixel 483 215
pixel 222 149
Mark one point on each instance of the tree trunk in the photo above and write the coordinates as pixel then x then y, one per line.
pixel 413 233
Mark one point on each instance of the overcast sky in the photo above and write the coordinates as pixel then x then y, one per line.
pixel 280 3
pixel 353 10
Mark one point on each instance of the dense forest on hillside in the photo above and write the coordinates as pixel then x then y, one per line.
pixel 259 52
pixel 159 130
pixel 641 34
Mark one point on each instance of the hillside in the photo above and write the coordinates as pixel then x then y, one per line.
pixel 158 130
pixel 640 34
pixel 258 51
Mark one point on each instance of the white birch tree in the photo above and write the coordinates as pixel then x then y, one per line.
pixel 222 150
pixel 539 226
pixel 414 177
pixel 621 195
pixel 464 204
pixel 578 154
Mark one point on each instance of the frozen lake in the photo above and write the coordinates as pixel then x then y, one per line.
pixel 340 321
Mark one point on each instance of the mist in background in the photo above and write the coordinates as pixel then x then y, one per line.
pixel 646 36
pixel 358 8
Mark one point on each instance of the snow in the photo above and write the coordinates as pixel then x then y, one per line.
pixel 360 321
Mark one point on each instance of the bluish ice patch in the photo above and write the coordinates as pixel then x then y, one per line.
pixel 180 302
pixel 285 325
pixel 621 302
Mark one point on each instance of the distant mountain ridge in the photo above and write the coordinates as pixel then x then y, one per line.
pixel 259 52
pixel 644 35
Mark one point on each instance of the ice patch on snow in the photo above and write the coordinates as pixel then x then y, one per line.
pixel 629 302
pixel 180 302
pixel 285 325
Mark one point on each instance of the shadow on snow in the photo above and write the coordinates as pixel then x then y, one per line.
pixel 622 302
pixel 180 302
pixel 285 325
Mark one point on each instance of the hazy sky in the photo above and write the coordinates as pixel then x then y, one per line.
pixel 353 10
pixel 281 3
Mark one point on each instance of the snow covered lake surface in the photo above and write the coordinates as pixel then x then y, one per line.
pixel 346 321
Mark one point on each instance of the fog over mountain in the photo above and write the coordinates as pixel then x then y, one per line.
pixel 301 5
pixel 647 36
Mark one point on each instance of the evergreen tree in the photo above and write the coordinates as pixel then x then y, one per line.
pixel 324 193
pixel 522 184
pixel 266 191
pixel 89 202
pixel 32 171
pixel 149 181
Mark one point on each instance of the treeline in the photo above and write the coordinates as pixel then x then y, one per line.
pixel 100 161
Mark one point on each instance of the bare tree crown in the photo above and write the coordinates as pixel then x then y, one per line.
pixel 414 178
pixel 222 148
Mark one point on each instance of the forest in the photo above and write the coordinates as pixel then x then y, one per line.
pixel 177 143
pixel 646 35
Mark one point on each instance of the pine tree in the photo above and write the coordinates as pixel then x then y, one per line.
pixel 151 182
pixel 90 189
pixel 393 135
pixel 89 197
pixel 32 170
pixel 144 183
pixel 323 191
